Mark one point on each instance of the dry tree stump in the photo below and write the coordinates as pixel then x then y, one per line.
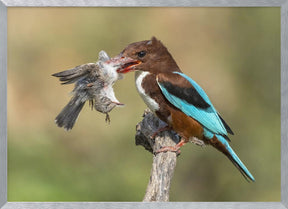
pixel 164 164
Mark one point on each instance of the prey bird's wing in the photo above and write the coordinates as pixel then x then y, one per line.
pixel 185 94
pixel 82 71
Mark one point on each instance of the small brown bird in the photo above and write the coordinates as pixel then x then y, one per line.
pixel 93 82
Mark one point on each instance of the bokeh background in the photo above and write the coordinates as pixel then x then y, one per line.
pixel 233 53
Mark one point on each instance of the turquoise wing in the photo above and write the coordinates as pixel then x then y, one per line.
pixel 205 114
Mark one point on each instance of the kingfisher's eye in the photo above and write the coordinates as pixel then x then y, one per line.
pixel 141 54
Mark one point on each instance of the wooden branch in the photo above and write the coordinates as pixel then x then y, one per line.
pixel 164 164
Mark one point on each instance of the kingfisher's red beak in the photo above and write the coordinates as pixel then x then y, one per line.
pixel 125 64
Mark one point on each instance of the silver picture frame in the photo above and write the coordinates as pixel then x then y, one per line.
pixel 5 4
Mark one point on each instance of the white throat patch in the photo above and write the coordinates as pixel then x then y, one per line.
pixel 151 103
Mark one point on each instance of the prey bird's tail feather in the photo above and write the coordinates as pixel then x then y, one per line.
pixel 68 116
pixel 222 145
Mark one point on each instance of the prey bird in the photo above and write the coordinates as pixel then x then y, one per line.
pixel 93 83
pixel 177 99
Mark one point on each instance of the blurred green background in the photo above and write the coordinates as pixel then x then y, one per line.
pixel 233 53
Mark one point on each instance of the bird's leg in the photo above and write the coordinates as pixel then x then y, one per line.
pixel 107 119
pixel 165 128
pixel 118 103
pixel 197 141
pixel 175 148
pixel 91 104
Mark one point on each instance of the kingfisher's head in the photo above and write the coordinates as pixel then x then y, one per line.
pixel 150 55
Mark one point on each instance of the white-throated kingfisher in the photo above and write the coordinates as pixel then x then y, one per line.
pixel 177 99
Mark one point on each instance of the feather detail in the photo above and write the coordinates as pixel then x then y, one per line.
pixel 220 143
pixel 208 116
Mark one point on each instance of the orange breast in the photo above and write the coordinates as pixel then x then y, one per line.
pixel 184 125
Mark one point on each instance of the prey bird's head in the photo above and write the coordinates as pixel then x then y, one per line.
pixel 150 55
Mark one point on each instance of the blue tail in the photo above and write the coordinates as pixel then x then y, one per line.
pixel 235 159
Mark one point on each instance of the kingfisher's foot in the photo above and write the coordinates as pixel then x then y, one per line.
pixel 165 128
pixel 175 148
pixel 90 85
pixel 170 149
